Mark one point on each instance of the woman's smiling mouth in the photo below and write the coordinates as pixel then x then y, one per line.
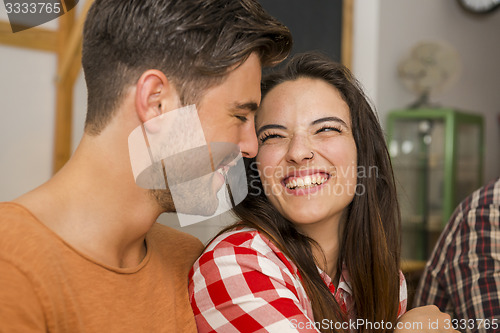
pixel 305 181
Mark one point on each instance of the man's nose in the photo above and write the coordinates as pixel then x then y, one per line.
pixel 248 144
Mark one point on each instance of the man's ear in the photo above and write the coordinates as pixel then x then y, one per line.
pixel 155 94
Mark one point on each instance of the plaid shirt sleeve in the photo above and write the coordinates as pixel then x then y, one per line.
pixel 240 289
pixel 463 275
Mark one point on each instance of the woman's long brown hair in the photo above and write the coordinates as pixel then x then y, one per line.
pixel 370 236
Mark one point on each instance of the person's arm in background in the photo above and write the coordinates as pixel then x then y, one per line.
pixel 473 272
pixel 463 274
pixel 422 319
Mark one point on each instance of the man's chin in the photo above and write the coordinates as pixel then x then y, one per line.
pixel 163 198
pixel 189 205
pixel 205 208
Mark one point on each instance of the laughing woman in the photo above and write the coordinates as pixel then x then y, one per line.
pixel 317 248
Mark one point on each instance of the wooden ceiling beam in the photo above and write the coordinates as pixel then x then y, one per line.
pixel 35 38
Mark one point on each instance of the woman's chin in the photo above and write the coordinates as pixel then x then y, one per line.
pixel 305 218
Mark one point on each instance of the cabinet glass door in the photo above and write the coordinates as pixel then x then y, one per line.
pixel 417 150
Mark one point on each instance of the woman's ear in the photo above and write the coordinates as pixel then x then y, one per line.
pixel 155 94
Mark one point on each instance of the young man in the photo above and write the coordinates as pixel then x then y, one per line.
pixel 82 252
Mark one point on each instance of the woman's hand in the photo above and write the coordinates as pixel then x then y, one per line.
pixel 425 319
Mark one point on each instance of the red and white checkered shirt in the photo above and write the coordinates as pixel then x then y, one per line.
pixel 244 283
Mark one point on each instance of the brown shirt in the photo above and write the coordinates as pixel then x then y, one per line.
pixel 48 286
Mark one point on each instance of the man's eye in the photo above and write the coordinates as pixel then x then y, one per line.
pixel 243 119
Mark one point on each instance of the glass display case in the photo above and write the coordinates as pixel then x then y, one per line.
pixel 437 156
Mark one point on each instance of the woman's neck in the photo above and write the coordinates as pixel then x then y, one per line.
pixel 326 234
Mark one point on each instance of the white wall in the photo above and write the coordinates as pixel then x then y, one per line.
pixel 365 45
pixel 26 116
pixel 26 119
pixel 402 24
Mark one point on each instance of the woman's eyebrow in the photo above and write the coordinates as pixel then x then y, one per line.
pixel 322 120
pixel 265 127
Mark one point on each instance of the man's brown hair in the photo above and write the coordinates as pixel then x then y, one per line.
pixel 193 42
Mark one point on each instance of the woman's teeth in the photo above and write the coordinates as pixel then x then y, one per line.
pixel 307 181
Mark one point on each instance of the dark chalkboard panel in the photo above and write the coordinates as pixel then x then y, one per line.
pixel 315 24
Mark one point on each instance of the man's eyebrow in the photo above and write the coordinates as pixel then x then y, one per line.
pixel 322 120
pixel 251 106
pixel 265 127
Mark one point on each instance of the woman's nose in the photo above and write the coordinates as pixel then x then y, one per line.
pixel 299 150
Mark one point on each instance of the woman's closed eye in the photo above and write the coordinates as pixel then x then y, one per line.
pixel 267 136
pixel 329 128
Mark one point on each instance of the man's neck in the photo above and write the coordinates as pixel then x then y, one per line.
pixel 95 206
